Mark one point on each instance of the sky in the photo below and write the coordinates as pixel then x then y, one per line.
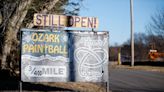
pixel 114 16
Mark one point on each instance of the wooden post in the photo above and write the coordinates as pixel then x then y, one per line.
pixel 119 56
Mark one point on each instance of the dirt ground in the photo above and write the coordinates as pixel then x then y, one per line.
pixel 12 84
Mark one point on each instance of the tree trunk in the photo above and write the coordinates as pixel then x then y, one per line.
pixel 0 18
pixel 15 24
pixel 12 29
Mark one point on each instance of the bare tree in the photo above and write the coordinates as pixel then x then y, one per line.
pixel 155 30
pixel 143 41
pixel 156 25
pixel 141 47
pixel 12 27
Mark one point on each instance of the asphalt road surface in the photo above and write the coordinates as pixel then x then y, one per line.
pixel 125 80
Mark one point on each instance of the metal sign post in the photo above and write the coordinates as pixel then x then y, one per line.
pixel 20 86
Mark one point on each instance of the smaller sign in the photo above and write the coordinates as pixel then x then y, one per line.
pixel 65 21
pixel 44 56
pixel 45 71
pixel 90 56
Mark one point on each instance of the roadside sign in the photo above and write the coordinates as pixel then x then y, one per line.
pixel 64 56
pixel 72 56
pixel 65 21
pixel 44 56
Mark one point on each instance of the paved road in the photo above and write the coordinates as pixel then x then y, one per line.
pixel 125 80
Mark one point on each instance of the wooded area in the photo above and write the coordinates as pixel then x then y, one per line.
pixel 153 38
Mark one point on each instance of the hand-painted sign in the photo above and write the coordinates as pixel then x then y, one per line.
pixel 90 56
pixel 64 56
pixel 45 71
pixel 65 21
pixel 44 56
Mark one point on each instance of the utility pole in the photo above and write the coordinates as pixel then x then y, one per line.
pixel 132 32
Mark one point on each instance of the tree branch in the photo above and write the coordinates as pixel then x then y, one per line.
pixel 50 5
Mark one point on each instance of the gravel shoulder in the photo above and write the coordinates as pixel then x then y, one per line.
pixel 144 67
